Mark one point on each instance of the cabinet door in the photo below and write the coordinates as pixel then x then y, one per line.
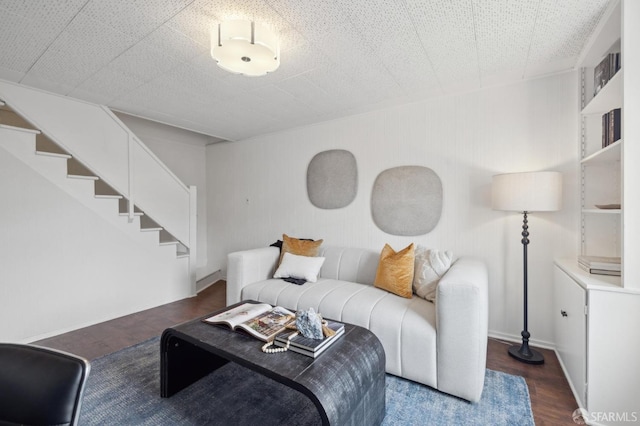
pixel 571 330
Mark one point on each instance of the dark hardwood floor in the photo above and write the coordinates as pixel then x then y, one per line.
pixel 551 398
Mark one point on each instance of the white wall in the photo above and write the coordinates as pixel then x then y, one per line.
pixel 184 153
pixel 62 266
pixel 256 189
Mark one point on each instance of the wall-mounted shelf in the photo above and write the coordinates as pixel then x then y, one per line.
pixel 608 97
pixel 608 154
pixel 602 211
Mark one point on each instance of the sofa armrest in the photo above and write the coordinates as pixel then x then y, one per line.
pixel 462 310
pixel 249 266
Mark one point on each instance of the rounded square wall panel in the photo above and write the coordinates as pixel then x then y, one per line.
pixel 407 200
pixel 332 179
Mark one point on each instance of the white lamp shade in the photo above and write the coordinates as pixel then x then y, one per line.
pixel 244 47
pixel 529 191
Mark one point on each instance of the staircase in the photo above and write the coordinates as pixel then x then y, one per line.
pixel 34 148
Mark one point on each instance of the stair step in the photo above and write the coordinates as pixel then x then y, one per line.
pixel 53 154
pixel 85 177
pixel 2 103
pixel 77 170
pixel 11 118
pixel 101 189
pixel 45 146
pixel 181 255
pixel 108 197
pixel 21 129
pixel 148 224
pixel 166 239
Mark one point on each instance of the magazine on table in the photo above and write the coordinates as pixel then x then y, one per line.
pixel 307 346
pixel 260 320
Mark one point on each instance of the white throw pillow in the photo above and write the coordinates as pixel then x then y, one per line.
pixel 430 266
pixel 304 267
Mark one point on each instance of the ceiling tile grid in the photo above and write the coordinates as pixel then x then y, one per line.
pixel 562 28
pixel 152 57
pixel 29 27
pixel 504 30
pixel 452 49
pixel 81 50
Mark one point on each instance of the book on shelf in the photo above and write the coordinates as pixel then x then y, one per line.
pixel 260 320
pixel 605 70
pixel 600 263
pixel 611 122
pixel 307 346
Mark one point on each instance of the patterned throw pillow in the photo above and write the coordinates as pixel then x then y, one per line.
pixel 298 247
pixel 430 266
pixel 395 271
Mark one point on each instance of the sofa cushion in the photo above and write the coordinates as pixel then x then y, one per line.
pixel 349 264
pixel 395 270
pixel 406 327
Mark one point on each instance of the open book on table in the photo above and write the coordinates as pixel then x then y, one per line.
pixel 260 320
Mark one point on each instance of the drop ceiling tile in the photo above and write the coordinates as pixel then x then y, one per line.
pixel 447 33
pixel 81 50
pixel 562 29
pixel 195 21
pixel 134 18
pixel 108 84
pixel 504 31
pixel 54 13
pixel 176 44
pixel 145 61
pixel 28 30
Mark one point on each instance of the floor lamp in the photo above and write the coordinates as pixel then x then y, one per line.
pixel 525 193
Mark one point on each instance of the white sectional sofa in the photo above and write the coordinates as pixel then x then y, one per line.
pixel 442 345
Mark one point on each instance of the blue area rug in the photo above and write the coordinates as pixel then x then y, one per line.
pixel 124 389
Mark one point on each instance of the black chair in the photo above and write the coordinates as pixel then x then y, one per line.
pixel 40 386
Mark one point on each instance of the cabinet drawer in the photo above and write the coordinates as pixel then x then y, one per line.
pixel 571 330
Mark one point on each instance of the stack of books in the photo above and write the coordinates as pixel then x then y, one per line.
pixel 600 265
pixel 310 347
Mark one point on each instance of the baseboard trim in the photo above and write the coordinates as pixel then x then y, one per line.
pixel 517 339
pixel 207 281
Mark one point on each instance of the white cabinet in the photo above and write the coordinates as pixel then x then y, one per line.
pixel 598 342
pixel 570 323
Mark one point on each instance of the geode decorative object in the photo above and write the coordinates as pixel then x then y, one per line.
pixel 309 324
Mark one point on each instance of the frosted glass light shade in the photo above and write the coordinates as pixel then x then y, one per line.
pixel 529 191
pixel 245 47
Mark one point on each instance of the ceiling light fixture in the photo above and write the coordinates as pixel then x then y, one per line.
pixel 245 47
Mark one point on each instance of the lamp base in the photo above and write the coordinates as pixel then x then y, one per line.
pixel 525 354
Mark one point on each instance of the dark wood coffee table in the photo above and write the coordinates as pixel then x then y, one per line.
pixel 346 383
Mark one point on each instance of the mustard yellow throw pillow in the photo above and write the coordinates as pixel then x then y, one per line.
pixel 299 247
pixel 395 271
